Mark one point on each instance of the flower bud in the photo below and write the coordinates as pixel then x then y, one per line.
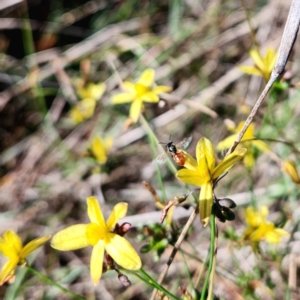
pixel 124 280
pixel 227 202
pixel 290 169
pixel 124 228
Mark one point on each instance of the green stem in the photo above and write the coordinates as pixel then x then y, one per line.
pixel 214 264
pixel 251 189
pixel 211 255
pixel 53 283
pixel 154 284
pixel 149 130
pixel 159 176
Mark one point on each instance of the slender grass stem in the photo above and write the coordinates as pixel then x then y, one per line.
pixel 159 176
pixel 53 283
pixel 154 283
pixel 211 255
pixel 149 130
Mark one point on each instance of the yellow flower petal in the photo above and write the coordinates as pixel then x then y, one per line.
pixel 33 245
pixel 122 252
pixel 261 145
pixel 7 269
pixel 249 159
pixel 129 86
pixel 226 143
pixel 122 98
pixel 249 134
pixel 275 235
pixel 203 171
pixel 270 59
pixel 161 89
pixel 190 177
pixel 70 238
pixel 8 250
pixel 205 148
pixel 263 212
pixel 98 150
pixel 135 110
pixel 147 78
pixel 257 59
pixel 97 262
pixel 94 233
pixel 95 212
pixel 205 203
pixel 257 234
pixel 256 218
pixel 228 162
pixel 76 115
pixel 83 110
pixel 119 212
pixel 108 143
pixel 92 90
pixel 290 169
pixel 190 162
pixel 150 97
pixel 11 238
pixel 250 70
pixel 97 90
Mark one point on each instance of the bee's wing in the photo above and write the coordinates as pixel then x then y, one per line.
pixel 185 143
pixel 160 159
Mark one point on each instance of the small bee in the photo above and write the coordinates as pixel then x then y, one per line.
pixel 176 153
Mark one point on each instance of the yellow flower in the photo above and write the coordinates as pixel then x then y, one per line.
pixel 140 92
pixel 290 169
pixel 99 235
pixel 92 90
pixel 259 228
pixel 85 108
pixel 203 172
pixel 11 247
pixel 263 65
pixel 247 142
pixel 100 148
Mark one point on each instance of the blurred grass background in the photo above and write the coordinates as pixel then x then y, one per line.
pixel 46 171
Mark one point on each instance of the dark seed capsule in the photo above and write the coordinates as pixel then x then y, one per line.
pixel 218 213
pixel 227 202
pixel 228 214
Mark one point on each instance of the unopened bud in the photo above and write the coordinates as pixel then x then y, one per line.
pixel 104 267
pixel 227 202
pixel 124 280
pixel 290 169
pixel 109 260
pixel 124 228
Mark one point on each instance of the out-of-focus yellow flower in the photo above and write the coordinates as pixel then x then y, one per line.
pixel 202 172
pixel 11 246
pixel 99 235
pixel 92 90
pixel 259 229
pixel 85 108
pixel 263 65
pixel 246 142
pixel 289 168
pixel 100 148
pixel 140 92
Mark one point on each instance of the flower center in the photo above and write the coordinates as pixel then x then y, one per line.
pixel 140 90
pixel 94 233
